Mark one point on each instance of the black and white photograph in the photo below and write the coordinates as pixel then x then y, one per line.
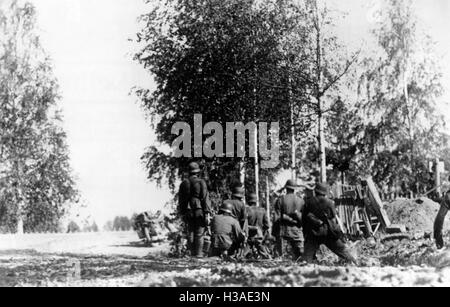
pixel 224 144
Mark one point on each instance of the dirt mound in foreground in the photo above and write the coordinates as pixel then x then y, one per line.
pixel 417 217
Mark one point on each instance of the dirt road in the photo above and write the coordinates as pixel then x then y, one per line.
pixel 116 259
pixel 100 244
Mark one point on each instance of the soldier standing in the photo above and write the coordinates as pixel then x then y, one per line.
pixel 258 227
pixel 440 219
pixel 289 209
pixel 227 234
pixel 320 226
pixel 195 208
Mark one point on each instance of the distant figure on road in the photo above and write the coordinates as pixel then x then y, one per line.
pixel 227 234
pixel 144 226
pixel 153 227
pixel 320 226
pixel 195 209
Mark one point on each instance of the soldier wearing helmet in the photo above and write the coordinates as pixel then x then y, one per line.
pixel 288 210
pixel 258 227
pixel 227 234
pixel 320 226
pixel 195 208
pixel 239 211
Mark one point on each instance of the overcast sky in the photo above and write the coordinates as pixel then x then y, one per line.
pixel 107 133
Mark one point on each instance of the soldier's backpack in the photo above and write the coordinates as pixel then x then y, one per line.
pixel 325 225
pixel 334 229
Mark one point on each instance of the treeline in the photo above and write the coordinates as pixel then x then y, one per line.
pixel 73 227
pixel 344 113
pixel 119 223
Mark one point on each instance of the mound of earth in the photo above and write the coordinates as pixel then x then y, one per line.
pixel 416 216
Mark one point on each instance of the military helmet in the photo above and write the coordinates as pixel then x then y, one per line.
pixel 322 189
pixel 238 192
pixel 252 199
pixel 290 184
pixel 226 208
pixel 194 168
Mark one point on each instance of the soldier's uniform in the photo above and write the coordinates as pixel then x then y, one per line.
pixel 238 208
pixel 440 219
pixel 289 211
pixel 194 207
pixel 258 226
pixel 317 211
pixel 227 234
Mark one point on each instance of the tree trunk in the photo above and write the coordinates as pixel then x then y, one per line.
pixel 293 139
pixel 19 193
pixel 256 168
pixel 20 230
pixel 409 111
pixel 268 202
pixel 242 171
pixel 322 153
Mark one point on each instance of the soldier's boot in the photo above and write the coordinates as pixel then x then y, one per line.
pixel 148 238
pixel 198 247
pixel 439 225
pixel 312 245
pixel 439 241
pixel 207 246
pixel 342 250
pixel 280 247
pixel 264 252
pixel 190 242
pixel 298 249
pixel 224 255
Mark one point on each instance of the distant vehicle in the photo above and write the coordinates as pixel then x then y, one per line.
pixel 151 228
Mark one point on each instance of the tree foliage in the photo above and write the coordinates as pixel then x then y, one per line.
pixel 35 176
pixel 254 60
pixel 224 60
pixel 73 227
pixel 399 93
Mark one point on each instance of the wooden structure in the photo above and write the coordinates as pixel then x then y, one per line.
pixel 360 209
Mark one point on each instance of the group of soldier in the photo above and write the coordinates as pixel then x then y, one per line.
pixel 300 225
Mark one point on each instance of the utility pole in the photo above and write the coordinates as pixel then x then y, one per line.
pixel 268 202
pixel 438 178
